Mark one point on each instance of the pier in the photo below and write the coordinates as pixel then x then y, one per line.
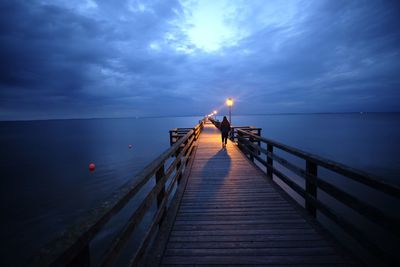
pixel 214 206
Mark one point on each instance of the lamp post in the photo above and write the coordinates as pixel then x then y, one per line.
pixel 229 103
pixel 215 114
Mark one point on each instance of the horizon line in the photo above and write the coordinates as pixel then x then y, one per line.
pixel 196 115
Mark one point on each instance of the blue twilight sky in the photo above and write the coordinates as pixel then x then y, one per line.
pixel 100 58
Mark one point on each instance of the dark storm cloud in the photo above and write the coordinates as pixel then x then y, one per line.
pixel 73 59
pixel 52 56
pixel 45 52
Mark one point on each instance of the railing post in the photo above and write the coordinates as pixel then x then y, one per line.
pixel 170 138
pixel 270 162
pixel 311 187
pixel 239 142
pixel 178 165
pixel 196 133
pixel 159 176
pixel 251 149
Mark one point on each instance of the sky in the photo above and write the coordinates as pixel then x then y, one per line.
pixel 126 58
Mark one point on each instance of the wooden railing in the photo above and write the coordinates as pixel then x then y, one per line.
pixel 177 133
pixel 73 247
pixel 251 145
pixel 233 132
pixel 214 121
pixel 254 130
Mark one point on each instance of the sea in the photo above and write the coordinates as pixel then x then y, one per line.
pixel 46 184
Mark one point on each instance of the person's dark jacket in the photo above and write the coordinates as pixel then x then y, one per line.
pixel 225 127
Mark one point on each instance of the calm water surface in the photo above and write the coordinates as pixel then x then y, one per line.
pixel 46 185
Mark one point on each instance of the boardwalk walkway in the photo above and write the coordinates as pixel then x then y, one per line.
pixel 231 214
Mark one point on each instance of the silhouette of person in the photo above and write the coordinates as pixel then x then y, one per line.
pixel 225 129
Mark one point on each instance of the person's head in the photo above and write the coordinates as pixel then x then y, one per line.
pixel 225 119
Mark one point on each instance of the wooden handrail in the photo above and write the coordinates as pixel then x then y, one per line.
pixel 342 169
pixel 177 133
pixel 250 144
pixel 234 129
pixel 72 247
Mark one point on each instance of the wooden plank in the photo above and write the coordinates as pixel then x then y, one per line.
pixel 207 227
pixel 256 265
pixel 246 207
pixel 214 183
pixel 241 238
pixel 234 209
pixel 224 194
pixel 233 192
pixel 232 259
pixel 225 200
pixel 249 244
pixel 210 210
pixel 251 251
pixel 201 198
pixel 227 204
pixel 233 216
pixel 235 232
pixel 244 221
pixel 268 198
pixel 229 212
pixel 209 184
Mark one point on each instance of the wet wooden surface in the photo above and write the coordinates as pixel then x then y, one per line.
pixel 232 215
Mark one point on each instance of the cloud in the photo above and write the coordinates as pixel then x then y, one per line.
pixel 63 59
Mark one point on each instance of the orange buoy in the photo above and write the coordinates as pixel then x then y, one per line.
pixel 130 146
pixel 92 167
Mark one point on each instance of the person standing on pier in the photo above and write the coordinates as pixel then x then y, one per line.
pixel 225 129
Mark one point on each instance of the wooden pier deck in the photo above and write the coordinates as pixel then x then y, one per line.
pixel 230 214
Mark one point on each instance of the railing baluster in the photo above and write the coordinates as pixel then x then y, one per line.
pixel 177 168
pixel 159 176
pixel 251 149
pixel 171 141
pixel 311 187
pixel 270 161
